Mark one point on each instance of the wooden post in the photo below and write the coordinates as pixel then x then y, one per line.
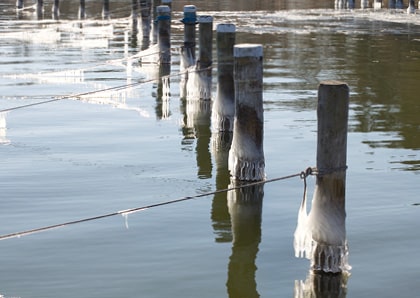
pixel 327 215
pixel 411 7
pixel 164 33
pixel 105 9
pixel 246 156
pixel 19 4
pixel 155 4
pixel 40 8
pixel 351 4
pixel 223 111
pixel 56 9
pixel 364 4
pixel 82 12
pixel 377 4
pixel 134 8
pixel 391 4
pixel 199 77
pixel 399 4
pixel 189 20
pixel 145 7
pixel 168 3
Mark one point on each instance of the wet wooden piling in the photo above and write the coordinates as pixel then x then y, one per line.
pixel 164 33
pixel 40 9
pixel 82 9
pixel 19 4
pixel 246 156
pixel 223 111
pixel 188 49
pixel 56 9
pixel 105 9
pixel 327 216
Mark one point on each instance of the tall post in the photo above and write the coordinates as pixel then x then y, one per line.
pixel 246 156
pixel 19 4
pixel 327 216
pixel 164 33
pixel 105 9
pixel 40 8
pixel 82 11
pixel 134 8
pixel 223 111
pixel 364 4
pixel 189 20
pixel 145 7
pixel 56 9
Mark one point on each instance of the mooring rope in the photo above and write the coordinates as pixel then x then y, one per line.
pixel 302 175
pixel 121 87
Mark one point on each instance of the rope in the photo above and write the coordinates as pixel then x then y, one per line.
pixel 302 175
pixel 121 87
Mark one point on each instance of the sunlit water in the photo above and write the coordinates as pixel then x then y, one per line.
pixel 88 154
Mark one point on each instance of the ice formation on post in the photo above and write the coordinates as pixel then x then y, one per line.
pixel 246 156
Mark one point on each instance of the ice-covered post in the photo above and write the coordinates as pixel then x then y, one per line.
pixel 377 4
pixel 19 4
pixel 223 110
pixel 105 9
pixel 364 4
pixel 56 9
pixel 40 8
pixel 82 6
pixel 411 7
pixel 246 155
pixel 326 220
pixel 164 33
pixel 145 7
pixel 199 77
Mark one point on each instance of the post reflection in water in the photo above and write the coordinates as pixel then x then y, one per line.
pixel 220 145
pixel 245 209
pixel 163 92
pixel 322 285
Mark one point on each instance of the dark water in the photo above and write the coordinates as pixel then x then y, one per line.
pixel 96 154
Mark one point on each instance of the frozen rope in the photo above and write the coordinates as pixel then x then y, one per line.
pixel 121 87
pixel 302 175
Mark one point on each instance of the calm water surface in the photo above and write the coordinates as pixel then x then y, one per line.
pixel 94 154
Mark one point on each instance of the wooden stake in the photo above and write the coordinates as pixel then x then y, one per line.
pixel 19 4
pixel 327 216
pixel 164 33
pixel 56 9
pixel 246 156
pixel 105 9
pixel 224 104
pixel 82 12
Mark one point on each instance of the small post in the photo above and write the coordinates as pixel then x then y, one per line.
pixel 82 11
pixel 19 4
pixel 145 7
pixel 56 9
pixel 399 4
pixel 327 215
pixel 40 8
pixel 391 4
pixel 377 4
pixel 155 4
pixel 189 20
pixel 364 4
pixel 411 7
pixel 164 33
pixel 168 3
pixel 351 4
pixel 134 8
pixel 105 9
pixel 246 156
pixel 205 29
pixel 224 104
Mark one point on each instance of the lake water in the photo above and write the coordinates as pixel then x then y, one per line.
pixel 95 154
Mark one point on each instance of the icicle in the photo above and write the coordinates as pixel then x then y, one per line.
pixel 302 234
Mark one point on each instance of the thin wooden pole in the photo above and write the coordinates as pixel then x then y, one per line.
pixel 223 111
pixel 164 33
pixel 82 10
pixel 56 9
pixel 19 4
pixel 189 20
pixel 246 156
pixel 105 9
pixel 134 8
pixel 145 7
pixel 327 216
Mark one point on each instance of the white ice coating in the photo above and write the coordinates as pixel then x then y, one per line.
pixel 226 28
pixel 326 223
pixel 248 50
pixel 190 8
pixel 205 19
pixel 198 84
pixel 3 130
pixel 246 161
pixel 163 9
